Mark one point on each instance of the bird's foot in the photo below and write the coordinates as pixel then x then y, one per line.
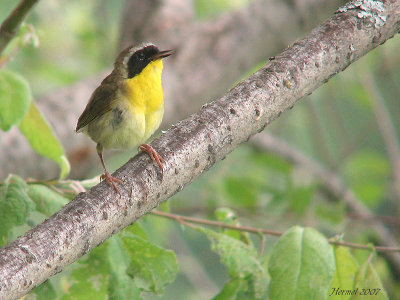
pixel 155 157
pixel 110 180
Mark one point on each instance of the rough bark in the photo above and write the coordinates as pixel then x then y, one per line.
pixel 191 77
pixel 194 145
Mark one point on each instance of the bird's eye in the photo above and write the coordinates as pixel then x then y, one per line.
pixel 141 56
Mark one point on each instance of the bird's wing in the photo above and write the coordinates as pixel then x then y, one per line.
pixel 99 103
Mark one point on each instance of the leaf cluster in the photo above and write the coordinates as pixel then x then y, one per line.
pixel 265 189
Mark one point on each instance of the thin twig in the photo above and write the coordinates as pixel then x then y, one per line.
pixel 182 219
pixel 191 147
pixel 10 26
pixel 336 186
pixel 364 247
pixel 187 220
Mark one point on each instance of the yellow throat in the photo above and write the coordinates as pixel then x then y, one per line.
pixel 144 91
pixel 128 106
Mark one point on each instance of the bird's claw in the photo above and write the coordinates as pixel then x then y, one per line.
pixel 155 157
pixel 110 180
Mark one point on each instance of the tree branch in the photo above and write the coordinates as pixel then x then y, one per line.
pixel 250 229
pixel 9 27
pixel 208 58
pixel 168 23
pixel 194 145
pixel 336 186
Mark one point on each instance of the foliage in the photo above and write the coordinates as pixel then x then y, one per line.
pixel 17 108
pixel 42 139
pixel 248 275
pixel 15 205
pixel 335 127
pixel 368 282
pixel 301 265
pixel 346 268
pixel 123 267
pixel 15 100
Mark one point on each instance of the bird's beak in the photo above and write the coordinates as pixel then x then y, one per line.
pixel 162 54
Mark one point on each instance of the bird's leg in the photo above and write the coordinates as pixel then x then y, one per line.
pixel 107 176
pixel 155 157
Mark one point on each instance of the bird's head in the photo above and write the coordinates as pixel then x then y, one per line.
pixel 132 60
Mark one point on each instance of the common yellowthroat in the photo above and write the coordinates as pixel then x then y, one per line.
pixel 128 106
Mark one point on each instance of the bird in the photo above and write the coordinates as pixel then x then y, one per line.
pixel 127 107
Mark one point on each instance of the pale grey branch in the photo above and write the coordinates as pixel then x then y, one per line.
pixel 210 55
pixel 193 146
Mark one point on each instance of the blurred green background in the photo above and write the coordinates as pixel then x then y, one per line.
pixel 336 126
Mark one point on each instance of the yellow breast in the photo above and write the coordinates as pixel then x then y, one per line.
pixel 144 91
pixel 142 107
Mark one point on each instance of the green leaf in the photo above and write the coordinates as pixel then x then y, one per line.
pixel 15 205
pixel 152 267
pixel 90 278
pixel 237 289
pixel 231 290
pixel 15 96
pixel 42 139
pixel 102 274
pixel 45 291
pixel 346 268
pixel 47 201
pixel 368 284
pixel 301 265
pixel 122 267
pixel 228 216
pixel 121 286
pixel 135 229
pixel 241 260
